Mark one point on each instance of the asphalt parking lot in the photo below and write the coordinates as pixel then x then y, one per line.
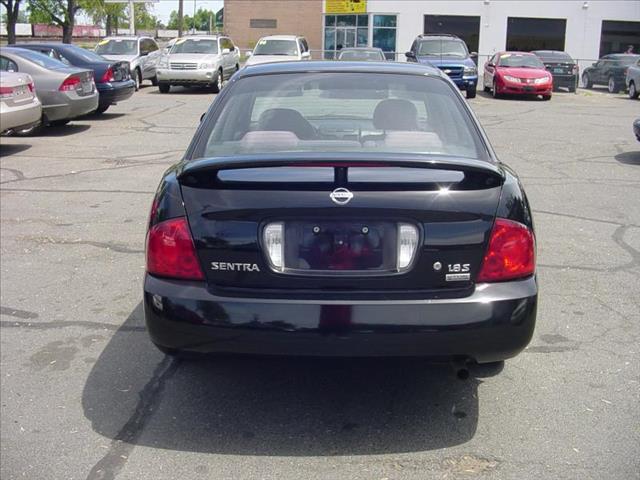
pixel 86 396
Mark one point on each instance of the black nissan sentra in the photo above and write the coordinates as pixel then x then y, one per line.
pixel 341 209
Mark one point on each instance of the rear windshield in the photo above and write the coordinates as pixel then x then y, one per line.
pixel 554 56
pixel 447 48
pixel 520 61
pixel 83 54
pixel 117 47
pixel 195 46
pixel 340 112
pixel 41 59
pixel 363 55
pixel 276 47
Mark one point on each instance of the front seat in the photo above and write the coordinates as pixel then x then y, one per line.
pixel 395 114
pixel 287 120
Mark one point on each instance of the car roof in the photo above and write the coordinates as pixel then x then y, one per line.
pixel 622 55
pixel 515 52
pixel 403 68
pixel 127 37
pixel 281 37
pixel 200 37
pixel 424 36
pixel 360 49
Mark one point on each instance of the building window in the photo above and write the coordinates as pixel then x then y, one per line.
pixel 617 37
pixel 384 34
pixel 263 23
pixel 527 34
pixel 344 31
pixel 465 27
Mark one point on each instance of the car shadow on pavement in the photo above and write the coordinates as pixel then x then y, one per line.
pixel 274 406
pixel 185 91
pixel 629 158
pixel 62 130
pixel 7 149
pixel 103 116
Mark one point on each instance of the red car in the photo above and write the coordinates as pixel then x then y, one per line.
pixel 517 73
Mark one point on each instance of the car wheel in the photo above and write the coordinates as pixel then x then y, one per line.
pixel 633 92
pixel 612 85
pixel 216 86
pixel 154 81
pixel 471 93
pixel 494 90
pixel 164 87
pixel 546 97
pixel 101 109
pixel 137 76
pixel 586 81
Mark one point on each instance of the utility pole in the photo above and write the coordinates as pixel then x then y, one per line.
pixel 180 14
pixel 194 17
pixel 132 19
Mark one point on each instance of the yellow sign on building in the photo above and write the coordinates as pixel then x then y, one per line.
pixel 345 6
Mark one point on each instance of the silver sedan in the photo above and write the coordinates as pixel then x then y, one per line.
pixel 19 105
pixel 65 92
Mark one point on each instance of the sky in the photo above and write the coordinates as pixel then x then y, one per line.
pixel 162 9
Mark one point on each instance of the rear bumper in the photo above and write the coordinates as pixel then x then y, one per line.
pixel 564 80
pixel 186 77
pixel 22 116
pixel 70 106
pixel 112 93
pixel 494 323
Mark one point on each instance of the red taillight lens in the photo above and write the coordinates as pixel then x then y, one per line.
pixel 32 87
pixel 108 76
pixel 6 92
pixel 511 253
pixel 170 251
pixel 70 83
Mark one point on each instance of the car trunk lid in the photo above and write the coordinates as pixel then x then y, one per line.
pixel 333 244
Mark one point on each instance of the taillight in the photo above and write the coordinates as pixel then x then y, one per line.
pixel 170 251
pixel 510 254
pixel 32 87
pixel 70 83
pixel 6 92
pixel 108 76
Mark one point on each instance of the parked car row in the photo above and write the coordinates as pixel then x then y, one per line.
pixel 67 80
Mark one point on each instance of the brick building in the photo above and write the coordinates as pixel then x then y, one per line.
pixel 248 20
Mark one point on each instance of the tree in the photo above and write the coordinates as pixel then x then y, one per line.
pixel 13 8
pixel 58 12
pixel 201 20
pixel 107 14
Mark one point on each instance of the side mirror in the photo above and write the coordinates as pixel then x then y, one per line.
pixel 226 51
pixel 305 55
pixel 410 55
pixel 248 54
pixel 473 54
pixel 144 54
pixel 489 64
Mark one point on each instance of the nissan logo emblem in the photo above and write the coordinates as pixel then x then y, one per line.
pixel 341 196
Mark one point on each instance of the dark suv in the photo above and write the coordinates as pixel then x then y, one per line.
pixel 450 54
